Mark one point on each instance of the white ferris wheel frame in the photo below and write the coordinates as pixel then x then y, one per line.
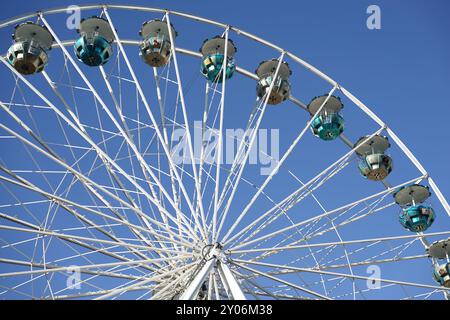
pixel 216 255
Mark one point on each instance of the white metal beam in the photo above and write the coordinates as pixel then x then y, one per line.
pixel 232 284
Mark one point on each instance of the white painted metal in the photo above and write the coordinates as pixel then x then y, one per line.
pixel 186 233
pixel 232 283
pixel 192 291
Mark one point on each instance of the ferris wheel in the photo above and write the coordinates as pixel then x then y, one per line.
pixel 135 165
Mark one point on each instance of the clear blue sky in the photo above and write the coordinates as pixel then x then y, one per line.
pixel 402 71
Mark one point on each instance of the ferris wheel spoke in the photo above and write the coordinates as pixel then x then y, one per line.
pixel 86 256
pixel 60 114
pixel 82 218
pixel 105 188
pixel 240 264
pixel 89 181
pixel 115 101
pixel 88 281
pixel 206 109
pixel 96 250
pixel 19 292
pixel 282 208
pixel 186 122
pixel 52 197
pixel 162 108
pixel 81 282
pixel 294 243
pixel 101 291
pixel 277 167
pixel 210 90
pixel 263 290
pixel 282 292
pixel 369 261
pixel 36 137
pixel 127 132
pixel 347 242
pixel 311 253
pixel 328 213
pixel 75 237
pixel 237 161
pixel 117 291
pixel 246 155
pixel 402 283
pixel 15 287
pixel 68 241
pixel 303 239
pixel 402 146
pixel 165 135
pixel 220 137
pixel 167 288
pixel 232 176
pixel 78 122
pixel 309 235
pixel 277 296
pixel 86 268
pixel 102 251
pixel 372 262
pixel 65 269
pixel 425 295
pixel 397 251
pixel 361 214
pixel 237 167
pixel 349 265
pixel 90 294
pixel 287 200
pixel 68 209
